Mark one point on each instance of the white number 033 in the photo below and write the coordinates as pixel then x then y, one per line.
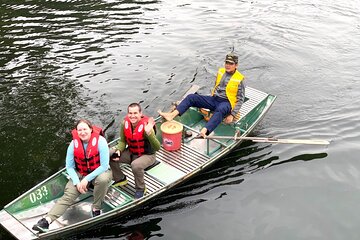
pixel 38 194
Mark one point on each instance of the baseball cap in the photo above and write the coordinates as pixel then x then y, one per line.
pixel 231 58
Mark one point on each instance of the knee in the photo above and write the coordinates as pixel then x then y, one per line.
pixel 68 197
pixel 223 110
pixel 136 167
pixel 104 178
pixel 113 163
pixel 191 97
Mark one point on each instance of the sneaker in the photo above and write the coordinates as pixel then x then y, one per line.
pixel 95 213
pixel 41 226
pixel 121 182
pixel 139 193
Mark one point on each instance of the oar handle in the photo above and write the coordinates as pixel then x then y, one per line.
pixel 109 125
pixel 273 140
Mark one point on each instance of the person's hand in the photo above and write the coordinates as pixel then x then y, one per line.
pixel 116 155
pixel 237 117
pixel 149 126
pixel 82 186
pixel 229 119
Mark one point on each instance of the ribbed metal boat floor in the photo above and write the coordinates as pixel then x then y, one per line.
pixel 152 185
pixel 254 98
pixel 185 160
pixel 115 198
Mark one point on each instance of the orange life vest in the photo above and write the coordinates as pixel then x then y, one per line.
pixel 87 161
pixel 135 140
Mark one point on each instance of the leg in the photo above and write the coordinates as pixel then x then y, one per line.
pixel 138 166
pixel 69 197
pixel 101 185
pixel 196 100
pixel 125 157
pixel 168 115
pixel 222 110
pixel 192 100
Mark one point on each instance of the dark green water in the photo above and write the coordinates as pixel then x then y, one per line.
pixel 62 60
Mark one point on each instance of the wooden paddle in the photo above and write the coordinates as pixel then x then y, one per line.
pixel 272 140
pixel 193 89
pixel 109 125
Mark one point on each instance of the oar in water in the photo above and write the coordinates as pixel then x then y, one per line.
pixel 109 125
pixel 272 140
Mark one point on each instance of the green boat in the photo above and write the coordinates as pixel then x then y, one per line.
pixel 171 169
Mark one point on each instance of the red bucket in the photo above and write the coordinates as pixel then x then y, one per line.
pixel 171 135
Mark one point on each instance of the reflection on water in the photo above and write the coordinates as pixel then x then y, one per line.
pixel 127 228
pixel 303 157
pixel 42 94
pixel 44 44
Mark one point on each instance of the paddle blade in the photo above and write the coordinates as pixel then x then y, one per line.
pixel 193 89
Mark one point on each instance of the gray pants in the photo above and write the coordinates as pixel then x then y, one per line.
pixel 101 185
pixel 138 164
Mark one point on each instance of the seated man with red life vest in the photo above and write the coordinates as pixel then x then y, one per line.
pixel 225 101
pixel 137 133
pixel 87 161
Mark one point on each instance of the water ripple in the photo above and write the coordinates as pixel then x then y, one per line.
pixel 64 59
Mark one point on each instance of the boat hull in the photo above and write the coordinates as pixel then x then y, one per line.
pixel 172 168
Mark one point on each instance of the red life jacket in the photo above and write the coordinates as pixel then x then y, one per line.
pixel 135 140
pixel 87 161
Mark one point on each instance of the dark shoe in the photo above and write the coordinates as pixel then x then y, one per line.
pixel 95 213
pixel 139 193
pixel 41 226
pixel 121 182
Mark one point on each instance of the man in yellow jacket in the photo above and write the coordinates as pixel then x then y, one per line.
pixel 225 101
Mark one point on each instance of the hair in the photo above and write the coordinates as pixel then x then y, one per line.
pixel 134 105
pixel 83 121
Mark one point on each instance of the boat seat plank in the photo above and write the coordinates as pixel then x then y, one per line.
pixel 17 229
pixel 166 173
pixel 153 165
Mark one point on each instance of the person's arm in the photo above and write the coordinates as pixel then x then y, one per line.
pixel 70 164
pixel 121 143
pixel 149 134
pixel 104 160
pixel 240 99
pixel 154 142
pixel 213 88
